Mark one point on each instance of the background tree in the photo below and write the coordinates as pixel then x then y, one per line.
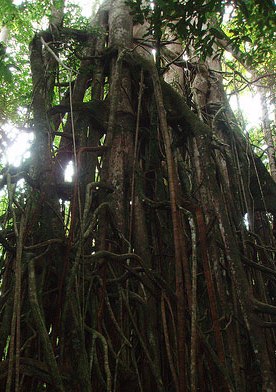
pixel 154 268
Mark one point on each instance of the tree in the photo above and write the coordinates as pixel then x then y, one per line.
pixel 154 269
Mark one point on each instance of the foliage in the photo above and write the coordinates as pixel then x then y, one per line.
pixel 22 22
pixel 191 20
pixel 250 28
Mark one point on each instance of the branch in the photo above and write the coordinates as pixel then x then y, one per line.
pixel 16 177
pixel 153 276
pixel 267 324
pixel 55 56
pixel 98 335
pixel 259 267
pixel 44 243
pixel 262 307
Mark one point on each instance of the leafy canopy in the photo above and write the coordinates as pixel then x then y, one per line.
pixel 250 27
pixel 22 22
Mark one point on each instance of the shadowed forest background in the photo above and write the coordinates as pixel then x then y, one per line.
pixel 137 233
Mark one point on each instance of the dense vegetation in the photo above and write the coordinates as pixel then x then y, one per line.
pixel 154 267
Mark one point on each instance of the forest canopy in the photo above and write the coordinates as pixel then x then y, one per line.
pixel 245 28
pixel 138 199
